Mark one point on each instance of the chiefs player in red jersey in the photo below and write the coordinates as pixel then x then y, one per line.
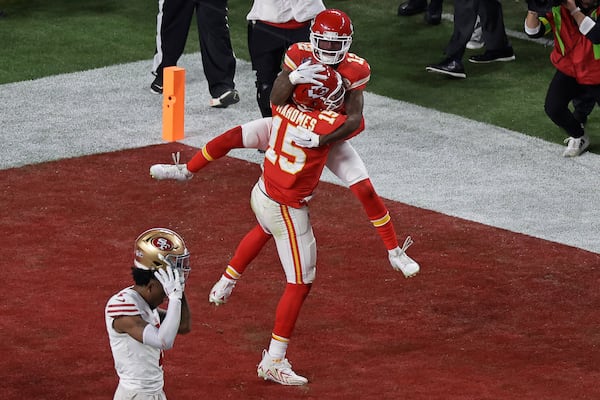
pixel 343 160
pixel 330 40
pixel 280 203
pixel 331 36
pixel 280 199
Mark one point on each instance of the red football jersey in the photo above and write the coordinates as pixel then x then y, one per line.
pixel 290 172
pixel 355 71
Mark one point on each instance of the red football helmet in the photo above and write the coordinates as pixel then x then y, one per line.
pixel 328 97
pixel 331 36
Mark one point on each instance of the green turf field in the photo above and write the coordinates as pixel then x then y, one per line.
pixel 43 38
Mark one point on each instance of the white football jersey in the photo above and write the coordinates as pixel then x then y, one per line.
pixel 138 365
pixel 281 11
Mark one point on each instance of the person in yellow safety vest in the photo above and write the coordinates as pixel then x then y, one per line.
pixel 576 57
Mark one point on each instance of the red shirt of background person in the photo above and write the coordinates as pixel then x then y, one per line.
pixel 573 55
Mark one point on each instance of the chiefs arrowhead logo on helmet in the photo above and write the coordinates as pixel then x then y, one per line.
pixel 328 97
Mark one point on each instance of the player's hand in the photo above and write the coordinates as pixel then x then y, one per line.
pixel 304 137
pixel 307 73
pixel 170 281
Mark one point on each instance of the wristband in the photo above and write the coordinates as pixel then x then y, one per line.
pixel 575 10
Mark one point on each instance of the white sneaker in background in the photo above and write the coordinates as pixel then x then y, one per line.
pixel 279 371
pixel 226 99
pixel 476 42
pixel 576 146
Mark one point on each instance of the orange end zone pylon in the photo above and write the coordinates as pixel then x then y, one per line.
pixel 173 103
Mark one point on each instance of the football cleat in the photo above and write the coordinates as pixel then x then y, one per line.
pixel 175 171
pixel 279 371
pixel 576 146
pixel 221 291
pixel 401 261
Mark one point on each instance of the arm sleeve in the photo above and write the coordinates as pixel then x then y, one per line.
pixel 164 337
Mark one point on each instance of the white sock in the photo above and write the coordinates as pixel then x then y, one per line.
pixel 277 349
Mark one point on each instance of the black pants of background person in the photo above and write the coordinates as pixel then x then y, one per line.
pixel 561 91
pixel 492 24
pixel 267 45
pixel 433 11
pixel 174 22
pixel 582 108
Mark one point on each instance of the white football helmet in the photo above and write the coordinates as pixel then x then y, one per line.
pixel 331 36
pixel 158 248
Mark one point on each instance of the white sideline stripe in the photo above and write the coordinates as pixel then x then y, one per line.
pixel 415 155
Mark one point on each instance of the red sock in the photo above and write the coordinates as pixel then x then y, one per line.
pixel 376 212
pixel 247 251
pixel 288 309
pixel 216 148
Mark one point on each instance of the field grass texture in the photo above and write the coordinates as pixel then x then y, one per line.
pixel 43 38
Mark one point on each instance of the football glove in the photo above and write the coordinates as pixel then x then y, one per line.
pixel 307 73
pixel 170 281
pixel 304 137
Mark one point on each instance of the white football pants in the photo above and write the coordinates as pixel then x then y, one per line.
pixel 293 234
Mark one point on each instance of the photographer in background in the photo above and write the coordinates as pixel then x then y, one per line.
pixel 576 57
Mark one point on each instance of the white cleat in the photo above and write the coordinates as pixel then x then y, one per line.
pixel 401 261
pixel 175 171
pixel 221 291
pixel 279 371
pixel 576 146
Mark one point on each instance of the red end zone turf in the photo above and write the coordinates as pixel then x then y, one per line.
pixel 492 315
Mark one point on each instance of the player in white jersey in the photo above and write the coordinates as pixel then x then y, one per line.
pixel 138 330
